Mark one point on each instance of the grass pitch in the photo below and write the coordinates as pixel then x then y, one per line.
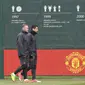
pixel 50 81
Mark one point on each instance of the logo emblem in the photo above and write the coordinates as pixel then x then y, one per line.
pixel 75 62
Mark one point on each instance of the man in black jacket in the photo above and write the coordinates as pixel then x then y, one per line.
pixel 23 52
pixel 33 52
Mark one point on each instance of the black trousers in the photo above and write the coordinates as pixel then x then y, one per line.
pixel 32 66
pixel 24 66
pixel 32 61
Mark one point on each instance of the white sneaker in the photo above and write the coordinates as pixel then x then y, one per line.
pixel 34 80
pixel 26 80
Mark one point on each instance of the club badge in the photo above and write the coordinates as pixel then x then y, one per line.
pixel 75 62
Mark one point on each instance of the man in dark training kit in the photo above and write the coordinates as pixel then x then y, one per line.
pixel 23 52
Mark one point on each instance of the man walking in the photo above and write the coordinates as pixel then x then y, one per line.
pixel 23 52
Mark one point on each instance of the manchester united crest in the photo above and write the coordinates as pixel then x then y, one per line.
pixel 75 62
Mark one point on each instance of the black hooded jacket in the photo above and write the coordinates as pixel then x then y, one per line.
pixel 22 44
pixel 32 41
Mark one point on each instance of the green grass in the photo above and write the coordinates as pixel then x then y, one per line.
pixel 49 80
pixel 53 77
pixel 45 82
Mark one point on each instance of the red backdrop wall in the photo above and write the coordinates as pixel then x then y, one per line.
pixel 50 62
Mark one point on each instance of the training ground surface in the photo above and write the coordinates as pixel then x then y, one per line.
pixel 56 81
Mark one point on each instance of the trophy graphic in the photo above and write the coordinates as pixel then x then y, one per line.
pixel 13 8
pixel 45 8
pixel 59 8
pixel 54 9
pixel 78 8
pixel 50 8
pixel 18 8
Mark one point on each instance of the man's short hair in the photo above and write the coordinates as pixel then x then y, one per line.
pixel 24 25
pixel 34 26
